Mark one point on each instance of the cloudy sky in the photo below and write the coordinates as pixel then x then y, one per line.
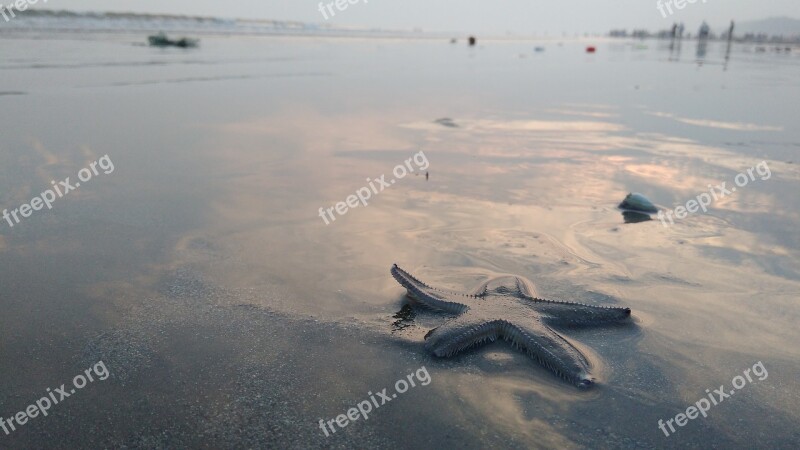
pixel 495 16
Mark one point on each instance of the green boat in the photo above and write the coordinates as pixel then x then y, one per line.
pixel 161 40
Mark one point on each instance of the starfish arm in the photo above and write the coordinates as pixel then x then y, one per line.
pixel 546 346
pixel 428 296
pixel 552 351
pixel 578 314
pixel 461 333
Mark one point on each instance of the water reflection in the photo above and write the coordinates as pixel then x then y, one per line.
pixel 700 54
pixel 675 49
pixel 728 49
pixel 676 39
pixel 635 217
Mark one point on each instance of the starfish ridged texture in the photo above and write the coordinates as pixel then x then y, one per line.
pixel 507 307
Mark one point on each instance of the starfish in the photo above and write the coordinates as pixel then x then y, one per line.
pixel 508 307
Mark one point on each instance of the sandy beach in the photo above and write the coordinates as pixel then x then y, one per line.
pixel 230 315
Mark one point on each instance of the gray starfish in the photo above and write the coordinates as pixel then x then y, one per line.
pixel 507 307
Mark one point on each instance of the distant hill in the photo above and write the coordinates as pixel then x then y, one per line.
pixel 785 26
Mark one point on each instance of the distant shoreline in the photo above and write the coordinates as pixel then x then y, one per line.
pixel 65 21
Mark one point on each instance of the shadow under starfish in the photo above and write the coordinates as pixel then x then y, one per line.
pixel 507 307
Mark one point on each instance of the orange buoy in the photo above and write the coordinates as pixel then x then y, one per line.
pixel 590 49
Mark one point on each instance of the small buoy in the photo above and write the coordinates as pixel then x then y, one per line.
pixel 590 49
pixel 639 203
pixel 471 41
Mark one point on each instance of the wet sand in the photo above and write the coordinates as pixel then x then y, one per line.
pixel 229 315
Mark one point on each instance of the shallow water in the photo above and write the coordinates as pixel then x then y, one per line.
pixel 230 315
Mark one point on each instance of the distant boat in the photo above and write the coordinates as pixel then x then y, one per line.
pixel 591 49
pixel 161 40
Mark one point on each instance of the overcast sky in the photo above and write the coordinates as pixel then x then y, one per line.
pixel 495 16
